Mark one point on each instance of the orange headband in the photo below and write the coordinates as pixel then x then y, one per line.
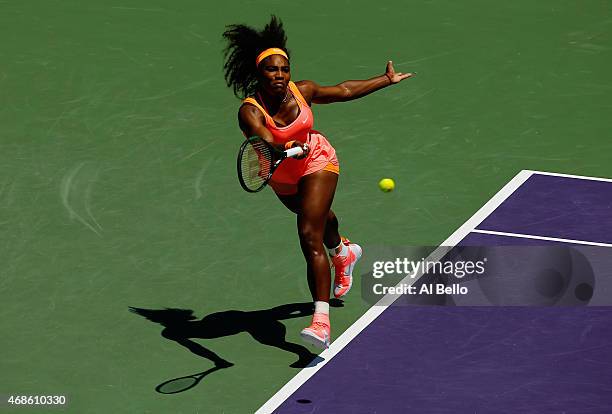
pixel 269 52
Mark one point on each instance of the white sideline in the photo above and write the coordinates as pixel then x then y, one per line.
pixel 579 177
pixel 371 314
pixel 367 318
pixel 531 236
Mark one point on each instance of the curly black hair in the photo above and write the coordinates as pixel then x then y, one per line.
pixel 244 44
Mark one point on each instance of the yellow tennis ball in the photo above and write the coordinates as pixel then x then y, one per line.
pixel 386 184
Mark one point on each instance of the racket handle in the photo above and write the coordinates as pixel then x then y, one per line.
pixel 292 152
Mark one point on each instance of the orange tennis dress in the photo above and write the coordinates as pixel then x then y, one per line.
pixel 322 155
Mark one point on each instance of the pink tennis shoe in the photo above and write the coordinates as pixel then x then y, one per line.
pixel 318 333
pixel 344 265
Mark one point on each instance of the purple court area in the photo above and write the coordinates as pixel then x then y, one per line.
pixel 469 360
pixel 560 207
pixel 415 359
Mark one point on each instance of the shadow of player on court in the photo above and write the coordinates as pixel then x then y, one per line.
pixel 181 326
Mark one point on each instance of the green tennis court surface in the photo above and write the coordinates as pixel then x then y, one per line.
pixel 118 188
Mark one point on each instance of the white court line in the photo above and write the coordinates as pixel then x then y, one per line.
pixel 531 236
pixel 579 177
pixel 374 312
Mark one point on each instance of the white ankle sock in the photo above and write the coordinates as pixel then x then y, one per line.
pixel 321 307
pixel 343 250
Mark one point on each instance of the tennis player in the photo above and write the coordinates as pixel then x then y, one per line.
pixel 278 110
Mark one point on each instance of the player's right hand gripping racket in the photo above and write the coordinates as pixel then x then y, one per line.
pixel 257 160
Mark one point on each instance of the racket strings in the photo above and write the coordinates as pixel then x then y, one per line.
pixel 256 164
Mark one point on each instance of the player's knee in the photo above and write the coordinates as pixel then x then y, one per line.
pixel 310 237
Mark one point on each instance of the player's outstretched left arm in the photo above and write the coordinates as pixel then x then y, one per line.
pixel 351 89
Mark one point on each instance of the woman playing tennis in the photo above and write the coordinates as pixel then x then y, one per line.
pixel 278 110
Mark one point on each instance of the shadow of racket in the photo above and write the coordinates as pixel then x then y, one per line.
pixel 181 384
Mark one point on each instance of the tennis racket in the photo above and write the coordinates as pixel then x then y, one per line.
pixel 257 160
